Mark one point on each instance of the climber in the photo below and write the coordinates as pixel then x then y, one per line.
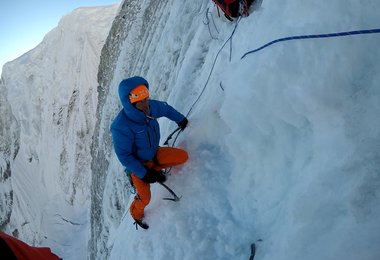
pixel 136 135
pixel 234 8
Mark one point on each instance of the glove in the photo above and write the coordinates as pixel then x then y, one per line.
pixel 183 123
pixel 152 176
pixel 161 177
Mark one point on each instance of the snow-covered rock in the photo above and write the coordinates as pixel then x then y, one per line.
pixel 48 105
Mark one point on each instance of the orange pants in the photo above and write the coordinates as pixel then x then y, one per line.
pixel 166 157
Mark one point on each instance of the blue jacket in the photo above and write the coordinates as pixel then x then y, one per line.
pixel 135 136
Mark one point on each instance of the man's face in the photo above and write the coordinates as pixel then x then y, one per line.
pixel 143 105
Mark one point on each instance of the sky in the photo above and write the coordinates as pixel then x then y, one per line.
pixel 23 24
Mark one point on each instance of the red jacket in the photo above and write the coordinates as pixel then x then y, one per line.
pixel 23 251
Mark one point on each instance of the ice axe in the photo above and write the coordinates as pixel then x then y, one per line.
pixel 175 197
pixel 171 136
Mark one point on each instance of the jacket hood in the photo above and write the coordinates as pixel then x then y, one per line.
pixel 125 87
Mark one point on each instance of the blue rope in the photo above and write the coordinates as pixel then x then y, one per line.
pixel 312 36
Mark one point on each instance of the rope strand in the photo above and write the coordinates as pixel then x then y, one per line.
pixel 212 68
pixel 313 36
pixel 209 76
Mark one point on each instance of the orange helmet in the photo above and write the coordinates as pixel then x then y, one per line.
pixel 139 93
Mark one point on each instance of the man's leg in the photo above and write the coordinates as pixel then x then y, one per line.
pixel 142 198
pixel 170 156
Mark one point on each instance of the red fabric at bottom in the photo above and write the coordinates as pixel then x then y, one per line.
pixel 23 251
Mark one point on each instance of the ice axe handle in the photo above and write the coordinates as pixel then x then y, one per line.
pixel 175 197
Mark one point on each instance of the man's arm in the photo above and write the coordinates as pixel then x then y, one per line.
pixel 123 143
pixel 160 109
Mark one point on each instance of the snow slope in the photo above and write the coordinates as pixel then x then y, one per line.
pixel 284 144
pixel 51 92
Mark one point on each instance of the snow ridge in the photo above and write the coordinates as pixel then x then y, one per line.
pixel 51 96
